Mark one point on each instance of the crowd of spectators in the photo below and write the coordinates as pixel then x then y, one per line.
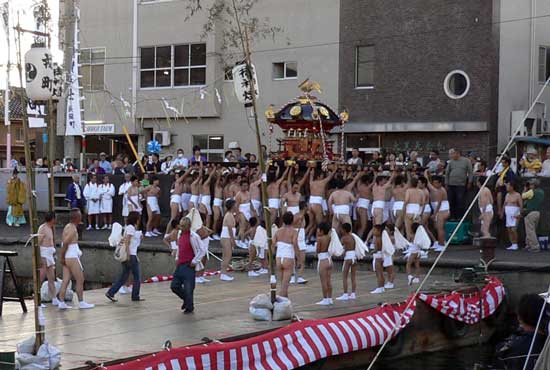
pixel 121 164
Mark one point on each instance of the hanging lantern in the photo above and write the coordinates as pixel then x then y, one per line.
pixel 39 73
pixel 242 77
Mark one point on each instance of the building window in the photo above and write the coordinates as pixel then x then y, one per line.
pixel 19 136
pixel 173 66
pixel 285 71
pixel 456 84
pixel 364 67
pixel 93 68
pixel 212 146
pixel 544 63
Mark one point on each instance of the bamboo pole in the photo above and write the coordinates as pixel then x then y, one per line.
pixel 245 42
pixel 271 258
pixel 33 219
pixel 133 148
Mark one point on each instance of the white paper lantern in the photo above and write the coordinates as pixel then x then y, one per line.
pixel 39 73
pixel 241 83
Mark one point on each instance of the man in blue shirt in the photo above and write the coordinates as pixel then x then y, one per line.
pixel 104 163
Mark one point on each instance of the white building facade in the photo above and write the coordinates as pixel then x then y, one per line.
pixel 524 65
pixel 147 66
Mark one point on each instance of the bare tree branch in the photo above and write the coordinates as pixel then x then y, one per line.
pixel 221 14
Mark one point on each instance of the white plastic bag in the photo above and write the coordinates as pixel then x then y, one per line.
pixel 400 242
pixel 421 238
pixel 26 346
pixel 387 246
pixel 116 235
pixel 261 301
pixel 196 220
pixel 260 314
pixel 335 248
pixel 52 353
pixel 274 229
pixel 48 357
pixel 282 309
pixel 26 361
pixel 260 241
pixel 260 238
pixel 45 292
pixel 361 249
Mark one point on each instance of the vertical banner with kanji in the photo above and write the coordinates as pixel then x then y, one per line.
pixel 74 118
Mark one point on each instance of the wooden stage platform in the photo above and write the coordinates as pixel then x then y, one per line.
pixel 120 330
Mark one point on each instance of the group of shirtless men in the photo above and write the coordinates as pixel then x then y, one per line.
pixel 306 204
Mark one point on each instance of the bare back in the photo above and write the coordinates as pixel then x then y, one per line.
pixel 341 197
pixel 286 235
pixel 70 234
pixel 348 242
pixel 46 236
pixel 322 243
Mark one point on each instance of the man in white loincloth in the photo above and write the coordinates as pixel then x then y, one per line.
pixel 152 193
pixel 46 240
pixel 70 259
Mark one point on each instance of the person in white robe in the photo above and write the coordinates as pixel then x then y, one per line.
pixel 91 193
pixel 106 194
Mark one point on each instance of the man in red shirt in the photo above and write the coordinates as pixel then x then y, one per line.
pixel 190 254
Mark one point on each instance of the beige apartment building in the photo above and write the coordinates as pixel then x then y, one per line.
pixel 145 65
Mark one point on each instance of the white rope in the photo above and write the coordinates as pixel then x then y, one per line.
pixel 457 228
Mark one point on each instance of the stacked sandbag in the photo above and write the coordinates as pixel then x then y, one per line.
pixel 282 309
pixel 262 309
pixel 45 292
pixel 47 357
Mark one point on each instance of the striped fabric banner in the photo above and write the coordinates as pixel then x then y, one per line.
pixel 467 308
pixel 161 278
pixel 289 347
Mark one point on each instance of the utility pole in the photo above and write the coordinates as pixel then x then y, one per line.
pixel 51 147
pixel 33 219
pixel 69 45
pixel 51 154
pixel 6 19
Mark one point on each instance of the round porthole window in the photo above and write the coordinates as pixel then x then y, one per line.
pixel 456 84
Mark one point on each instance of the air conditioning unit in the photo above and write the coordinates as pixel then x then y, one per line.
pixel 163 137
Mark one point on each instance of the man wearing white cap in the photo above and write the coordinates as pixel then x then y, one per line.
pixel 530 164
pixel 237 151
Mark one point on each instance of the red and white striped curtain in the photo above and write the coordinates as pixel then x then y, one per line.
pixel 286 348
pixel 466 308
